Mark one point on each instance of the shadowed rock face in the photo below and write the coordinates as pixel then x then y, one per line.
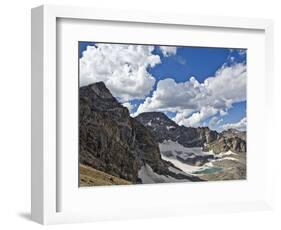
pixel 163 128
pixel 104 125
pixel 112 141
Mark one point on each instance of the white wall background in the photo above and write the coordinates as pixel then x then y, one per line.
pixel 15 112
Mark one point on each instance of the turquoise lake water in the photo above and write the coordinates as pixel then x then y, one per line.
pixel 209 170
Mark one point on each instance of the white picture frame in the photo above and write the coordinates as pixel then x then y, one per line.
pixel 46 181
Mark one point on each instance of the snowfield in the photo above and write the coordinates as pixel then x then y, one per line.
pixel 148 176
pixel 169 145
pixel 149 123
pixel 170 150
pixel 184 167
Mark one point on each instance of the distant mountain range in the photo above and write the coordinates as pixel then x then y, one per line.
pixel 134 149
pixel 163 128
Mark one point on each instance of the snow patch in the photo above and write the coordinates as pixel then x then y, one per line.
pixel 170 150
pixel 227 158
pixel 148 176
pixel 177 171
pixel 228 153
pixel 149 123
pixel 190 169
pixel 173 146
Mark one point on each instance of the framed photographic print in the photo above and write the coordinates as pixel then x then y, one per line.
pixel 142 121
pixel 137 114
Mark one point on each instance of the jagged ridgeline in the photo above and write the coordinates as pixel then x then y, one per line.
pixel 115 148
pixel 163 128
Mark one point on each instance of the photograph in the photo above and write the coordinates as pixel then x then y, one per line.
pixel 153 113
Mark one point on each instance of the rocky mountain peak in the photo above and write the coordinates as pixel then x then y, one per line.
pixel 113 142
pixel 232 133
pixel 100 90
pixel 156 119
pixel 163 128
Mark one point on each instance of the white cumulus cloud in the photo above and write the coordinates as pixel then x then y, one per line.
pixel 213 122
pixel 123 69
pixel 242 52
pixel 240 125
pixel 168 50
pixel 194 101
pixel 129 106
pixel 195 119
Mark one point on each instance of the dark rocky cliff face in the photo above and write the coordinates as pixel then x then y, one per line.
pixel 163 128
pixel 104 127
pixel 112 141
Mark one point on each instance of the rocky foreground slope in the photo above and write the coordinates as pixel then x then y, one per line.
pixel 115 143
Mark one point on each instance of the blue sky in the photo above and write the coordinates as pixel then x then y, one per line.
pixel 220 73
